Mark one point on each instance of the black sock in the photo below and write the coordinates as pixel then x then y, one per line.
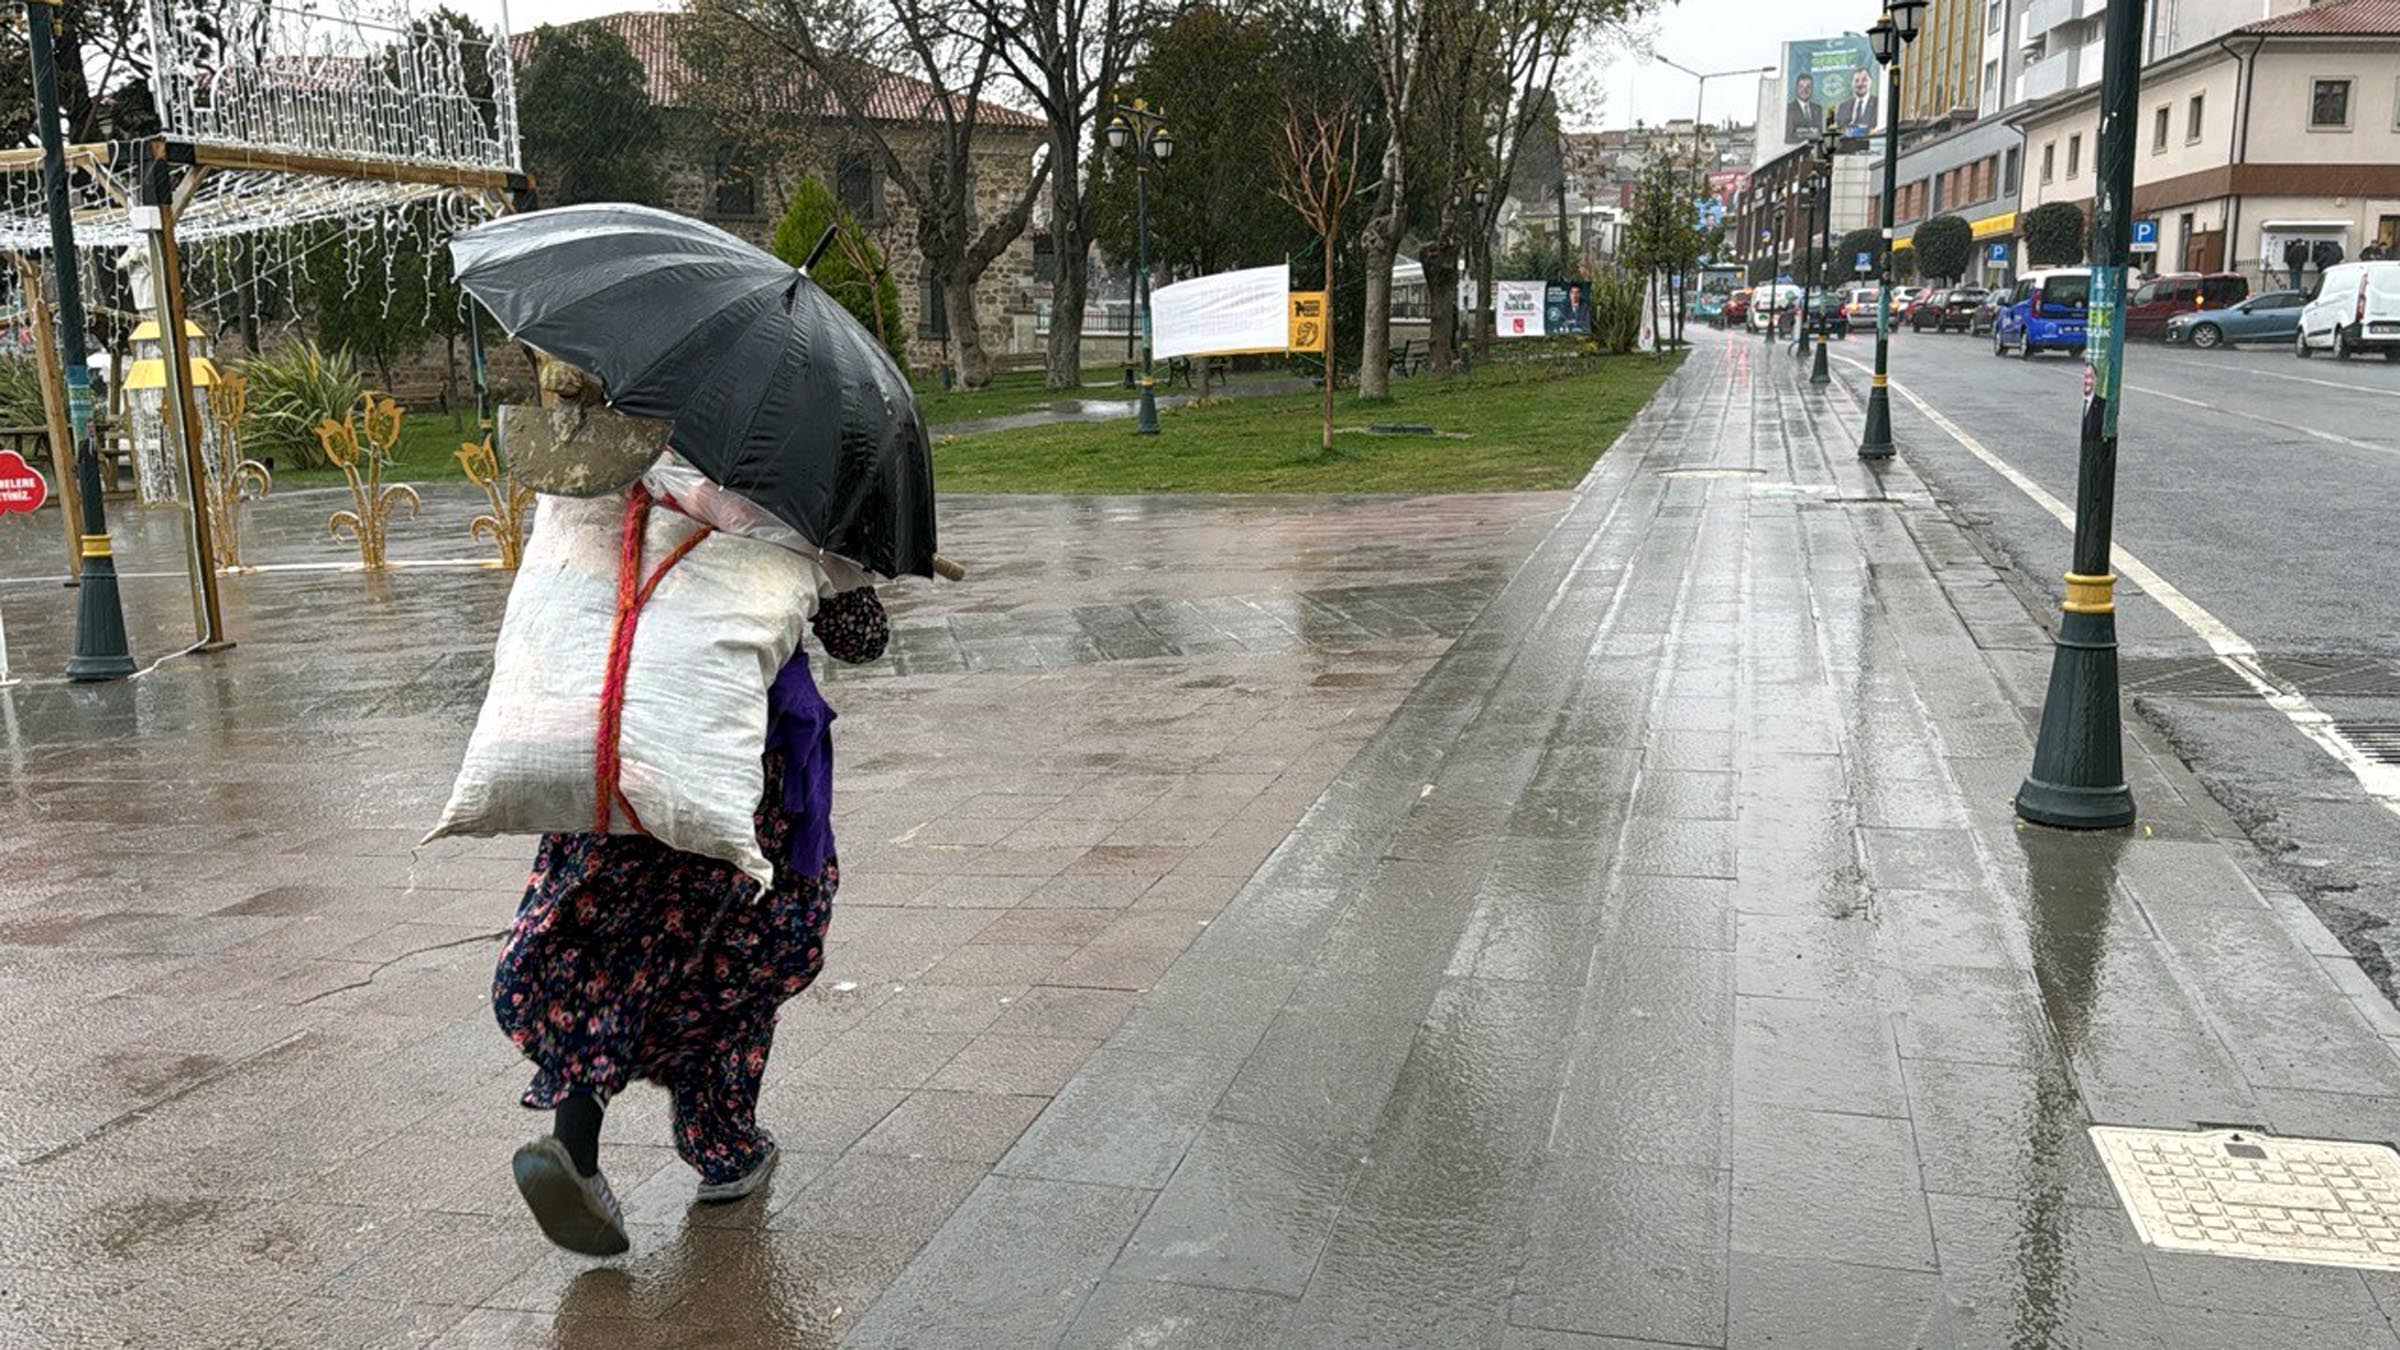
pixel 577 1126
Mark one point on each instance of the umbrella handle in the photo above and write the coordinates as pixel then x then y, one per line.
pixel 948 570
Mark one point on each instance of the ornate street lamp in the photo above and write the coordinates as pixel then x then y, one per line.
pixel 1889 37
pixel 1140 130
pixel 2078 775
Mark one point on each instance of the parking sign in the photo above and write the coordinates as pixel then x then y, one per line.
pixel 2145 236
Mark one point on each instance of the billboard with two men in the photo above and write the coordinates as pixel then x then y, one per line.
pixel 1836 75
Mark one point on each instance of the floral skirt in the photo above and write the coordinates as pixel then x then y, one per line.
pixel 629 960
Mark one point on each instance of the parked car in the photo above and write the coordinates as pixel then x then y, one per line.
pixel 2044 312
pixel 1986 311
pixel 1827 314
pixel 1903 297
pixel 2356 308
pixel 2273 317
pixel 2160 299
pixel 1944 310
pixel 1773 299
pixel 1737 309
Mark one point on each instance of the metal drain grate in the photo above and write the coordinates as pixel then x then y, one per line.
pixel 2378 741
pixel 2255 1196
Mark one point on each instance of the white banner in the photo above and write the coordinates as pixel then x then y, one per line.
pixel 1245 311
pixel 1519 304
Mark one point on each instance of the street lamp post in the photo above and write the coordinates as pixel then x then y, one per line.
pixel 1479 259
pixel 1141 130
pixel 101 652
pixel 1699 110
pixel 1808 274
pixel 2078 777
pixel 1890 35
pixel 1829 144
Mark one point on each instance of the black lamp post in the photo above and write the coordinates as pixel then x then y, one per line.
pixel 2078 777
pixel 101 652
pixel 1771 211
pixel 1141 130
pixel 1808 243
pixel 1479 252
pixel 1889 36
pixel 1829 144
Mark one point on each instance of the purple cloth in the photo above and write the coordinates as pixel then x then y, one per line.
pixel 800 723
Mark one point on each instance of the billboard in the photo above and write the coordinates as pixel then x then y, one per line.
pixel 1245 311
pixel 1836 75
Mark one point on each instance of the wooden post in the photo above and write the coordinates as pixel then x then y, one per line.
pixel 54 412
pixel 181 411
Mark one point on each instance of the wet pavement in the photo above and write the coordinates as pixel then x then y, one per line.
pixel 1542 921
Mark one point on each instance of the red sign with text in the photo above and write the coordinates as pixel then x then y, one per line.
pixel 21 487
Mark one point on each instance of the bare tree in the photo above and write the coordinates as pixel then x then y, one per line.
pixel 1394 31
pixel 1067 55
pixel 1316 172
pixel 921 64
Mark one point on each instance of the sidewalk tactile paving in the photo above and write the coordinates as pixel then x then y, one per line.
pixel 2238 1193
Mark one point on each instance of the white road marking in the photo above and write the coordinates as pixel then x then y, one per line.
pixel 2269 421
pixel 2221 367
pixel 2381 781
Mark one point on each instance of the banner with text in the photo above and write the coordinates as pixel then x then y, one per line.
pixel 1835 75
pixel 1245 311
pixel 1519 307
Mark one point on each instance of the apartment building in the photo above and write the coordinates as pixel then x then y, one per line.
pixel 2287 128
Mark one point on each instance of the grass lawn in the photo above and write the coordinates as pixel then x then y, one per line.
pixel 427 453
pixel 1508 427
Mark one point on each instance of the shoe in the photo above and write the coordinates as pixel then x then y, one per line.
pixel 577 1212
pixel 726 1192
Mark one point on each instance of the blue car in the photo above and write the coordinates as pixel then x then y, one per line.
pixel 2043 312
pixel 2273 317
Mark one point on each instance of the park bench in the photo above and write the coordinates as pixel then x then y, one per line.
pixel 1215 372
pixel 1409 357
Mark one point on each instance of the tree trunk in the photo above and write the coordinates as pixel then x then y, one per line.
pixel 1330 345
pixel 1066 315
pixel 966 332
pixel 1440 262
pixel 1377 247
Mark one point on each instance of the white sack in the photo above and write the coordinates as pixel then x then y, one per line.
pixel 710 641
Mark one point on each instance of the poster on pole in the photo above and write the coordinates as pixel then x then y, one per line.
pixel 1520 307
pixel 1836 75
pixel 1223 315
pixel 1308 328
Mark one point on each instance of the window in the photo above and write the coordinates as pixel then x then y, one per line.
pixel 732 188
pixel 2192 120
pixel 1991 84
pixel 2158 131
pixel 2049 159
pixel 2146 294
pixel 2074 156
pixel 1991 17
pixel 2329 105
pixel 2008 176
pixel 933 316
pixel 858 186
pixel 1045 259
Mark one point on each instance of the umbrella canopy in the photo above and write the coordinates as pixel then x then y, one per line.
pixel 771 387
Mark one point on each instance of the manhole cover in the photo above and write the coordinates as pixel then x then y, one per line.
pixel 1710 473
pixel 2235 1193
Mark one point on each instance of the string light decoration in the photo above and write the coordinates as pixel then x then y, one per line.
pixel 158 466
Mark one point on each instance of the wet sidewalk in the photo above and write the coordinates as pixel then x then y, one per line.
pixel 1671 969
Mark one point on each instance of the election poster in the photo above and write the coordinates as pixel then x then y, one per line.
pixel 1520 307
pixel 1836 75
pixel 1567 307
pixel 1231 312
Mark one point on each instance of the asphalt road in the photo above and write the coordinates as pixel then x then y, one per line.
pixel 2262 487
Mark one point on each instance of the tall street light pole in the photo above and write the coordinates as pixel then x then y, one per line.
pixel 1829 144
pixel 101 652
pixel 2078 777
pixel 1808 244
pixel 1700 108
pixel 1889 36
pixel 1141 130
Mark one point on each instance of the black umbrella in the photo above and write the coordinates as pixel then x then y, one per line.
pixel 771 387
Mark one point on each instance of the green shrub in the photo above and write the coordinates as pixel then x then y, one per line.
pixel 1618 298
pixel 1945 247
pixel 20 393
pixel 2053 234
pixel 852 270
pixel 292 389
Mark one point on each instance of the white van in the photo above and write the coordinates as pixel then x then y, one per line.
pixel 1776 300
pixel 2356 308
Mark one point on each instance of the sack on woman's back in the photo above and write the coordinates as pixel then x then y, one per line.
pixel 706 645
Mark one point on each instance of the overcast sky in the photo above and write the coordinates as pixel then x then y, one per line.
pixel 1611 85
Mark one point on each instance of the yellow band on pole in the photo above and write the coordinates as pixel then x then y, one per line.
pixel 2091 595
pixel 1879 381
pixel 95 546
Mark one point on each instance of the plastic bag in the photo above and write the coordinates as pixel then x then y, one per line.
pixel 671 478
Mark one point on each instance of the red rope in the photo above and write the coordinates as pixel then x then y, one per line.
pixel 633 592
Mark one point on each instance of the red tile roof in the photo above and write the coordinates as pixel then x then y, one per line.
pixel 656 41
pixel 2335 18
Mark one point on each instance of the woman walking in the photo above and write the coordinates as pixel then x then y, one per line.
pixel 631 960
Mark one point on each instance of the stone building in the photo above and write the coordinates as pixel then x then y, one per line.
pixel 706 179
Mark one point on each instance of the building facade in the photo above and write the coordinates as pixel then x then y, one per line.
pixel 707 179
pixel 1771 219
pixel 1945 63
pixel 2288 128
